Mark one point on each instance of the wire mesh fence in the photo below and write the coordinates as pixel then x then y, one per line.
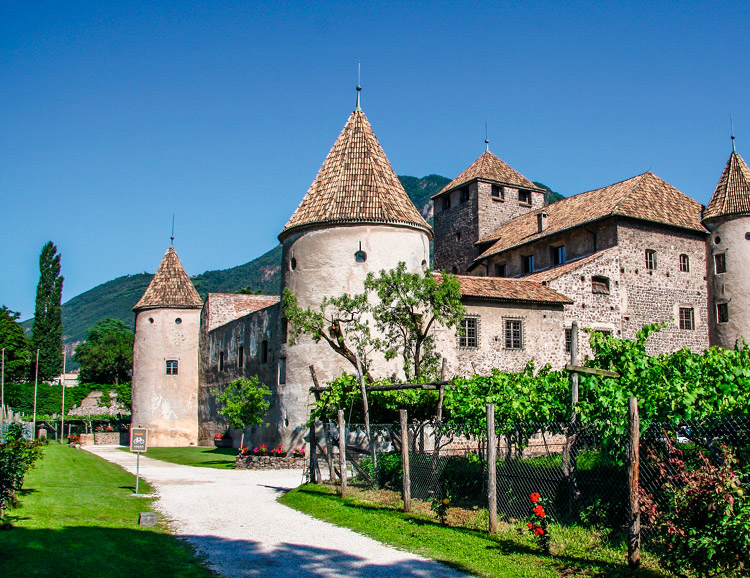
pixel 580 470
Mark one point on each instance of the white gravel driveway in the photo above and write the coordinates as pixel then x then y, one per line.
pixel 232 517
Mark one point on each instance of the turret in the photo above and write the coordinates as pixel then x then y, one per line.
pixel 727 216
pixel 165 356
pixel 355 219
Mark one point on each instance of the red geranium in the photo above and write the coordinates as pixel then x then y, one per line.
pixel 535 497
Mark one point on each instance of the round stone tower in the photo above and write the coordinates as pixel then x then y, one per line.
pixel 727 216
pixel 165 357
pixel 355 219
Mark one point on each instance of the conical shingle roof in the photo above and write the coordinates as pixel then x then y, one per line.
pixel 356 184
pixel 732 194
pixel 171 287
pixel 490 168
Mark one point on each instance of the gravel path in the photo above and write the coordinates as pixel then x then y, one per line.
pixel 232 517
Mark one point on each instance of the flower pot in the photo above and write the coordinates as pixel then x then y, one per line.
pixel 224 443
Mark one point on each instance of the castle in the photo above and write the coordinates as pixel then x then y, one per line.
pixel 612 259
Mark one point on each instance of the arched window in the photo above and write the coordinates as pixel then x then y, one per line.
pixel 684 263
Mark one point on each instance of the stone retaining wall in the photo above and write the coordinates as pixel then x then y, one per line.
pixel 107 438
pixel 253 462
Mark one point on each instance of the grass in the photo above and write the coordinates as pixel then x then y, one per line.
pixel 510 553
pixel 202 457
pixel 77 517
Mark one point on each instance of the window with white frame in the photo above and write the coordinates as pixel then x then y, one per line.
pixel 684 263
pixel 650 259
pixel 687 318
pixel 172 367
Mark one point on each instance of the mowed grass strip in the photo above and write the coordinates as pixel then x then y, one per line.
pixel 202 457
pixel 508 554
pixel 77 517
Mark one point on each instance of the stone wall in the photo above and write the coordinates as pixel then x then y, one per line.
pixel 253 462
pixel 655 296
pixel 249 334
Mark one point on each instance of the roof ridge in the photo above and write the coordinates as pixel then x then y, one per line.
pixel 170 287
pixel 488 166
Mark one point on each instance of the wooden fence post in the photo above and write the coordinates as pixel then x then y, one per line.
pixel 342 452
pixel 406 489
pixel 491 467
pixel 634 527
pixel 313 454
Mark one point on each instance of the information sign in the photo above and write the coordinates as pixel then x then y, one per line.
pixel 138 439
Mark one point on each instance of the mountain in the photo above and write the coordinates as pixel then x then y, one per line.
pixel 116 298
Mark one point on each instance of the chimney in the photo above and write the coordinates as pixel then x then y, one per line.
pixel 541 221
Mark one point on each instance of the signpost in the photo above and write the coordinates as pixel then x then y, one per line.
pixel 138 445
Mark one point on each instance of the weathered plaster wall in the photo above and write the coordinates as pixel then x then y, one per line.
pixel 730 237
pixel 544 339
pixel 166 404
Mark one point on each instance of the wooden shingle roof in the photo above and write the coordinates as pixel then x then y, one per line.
pixel 732 194
pixel 488 167
pixel 507 289
pixel 170 288
pixel 645 197
pixel 356 184
pixel 221 308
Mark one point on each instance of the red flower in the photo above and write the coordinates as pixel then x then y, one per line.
pixel 539 531
pixel 529 525
pixel 535 497
pixel 539 511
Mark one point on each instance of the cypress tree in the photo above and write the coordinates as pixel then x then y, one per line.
pixel 47 329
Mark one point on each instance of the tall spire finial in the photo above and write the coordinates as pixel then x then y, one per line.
pixel 359 87
pixel 486 139
pixel 171 242
pixel 731 125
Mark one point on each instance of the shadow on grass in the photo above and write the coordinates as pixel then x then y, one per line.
pixel 113 553
pixel 567 565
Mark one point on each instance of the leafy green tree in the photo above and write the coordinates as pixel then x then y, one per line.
pixel 408 307
pixel 106 356
pixel 244 403
pixel 16 344
pixel 47 329
pixel 339 321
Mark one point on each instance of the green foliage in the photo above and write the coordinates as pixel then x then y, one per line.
pixel 17 456
pixel 17 346
pixel 408 306
pixel 523 397
pixel 704 526
pixel 248 291
pixel 48 328
pixel 550 196
pixel 107 354
pixel 345 393
pixel 244 403
pixel 20 396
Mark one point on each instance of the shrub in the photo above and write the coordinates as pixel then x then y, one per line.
pixel 17 456
pixel 703 525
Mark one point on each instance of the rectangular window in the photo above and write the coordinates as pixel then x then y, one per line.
pixel 600 285
pixel 687 318
pixel 221 361
pixel 513 334
pixel 568 339
pixel 558 255
pixel 722 312
pixel 241 357
pixel 498 193
pixel 524 196
pixel 469 332
pixel 464 196
pixel 650 259
pixel 284 330
pixel 446 202
pixel 684 264
pixel 171 367
pixel 282 370
pixel 501 270
pixel 720 262
pixel 264 351
pixel 528 264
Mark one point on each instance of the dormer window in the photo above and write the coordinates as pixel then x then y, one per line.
pixel 524 196
pixel 528 263
pixel 501 270
pixel 558 255
pixel 497 193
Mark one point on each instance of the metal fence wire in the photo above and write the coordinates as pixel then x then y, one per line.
pixel 579 470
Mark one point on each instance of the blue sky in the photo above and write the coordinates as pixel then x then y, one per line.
pixel 114 116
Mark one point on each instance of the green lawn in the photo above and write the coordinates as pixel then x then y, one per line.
pixel 77 517
pixel 202 457
pixel 508 554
